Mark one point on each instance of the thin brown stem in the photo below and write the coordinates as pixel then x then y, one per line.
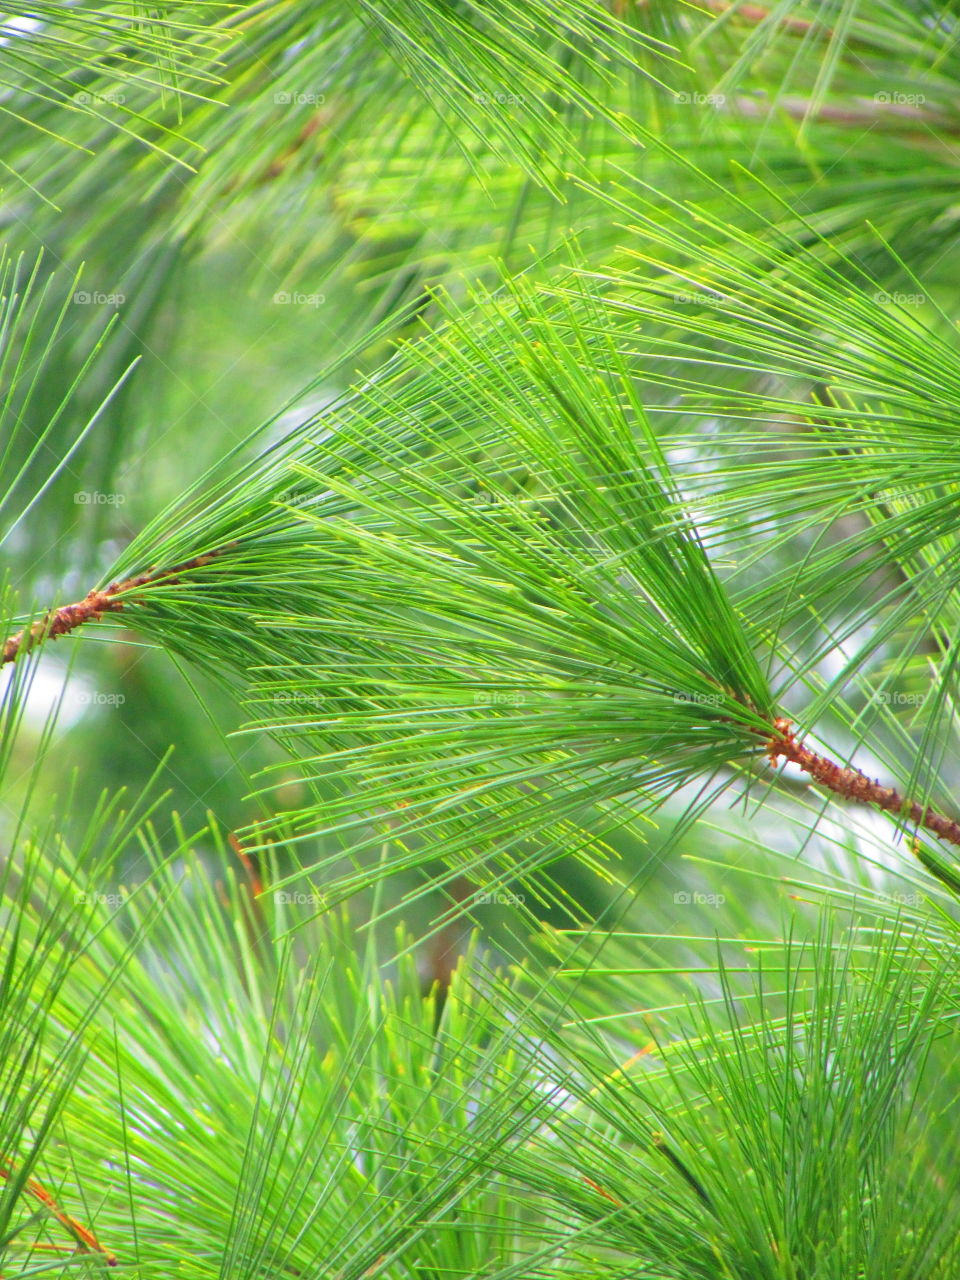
pixel 60 622
pixel 600 1191
pixel 851 784
pixel 86 1241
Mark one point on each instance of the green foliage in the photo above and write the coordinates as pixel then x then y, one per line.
pixel 397 880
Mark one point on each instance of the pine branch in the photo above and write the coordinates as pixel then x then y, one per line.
pixel 60 622
pixel 851 784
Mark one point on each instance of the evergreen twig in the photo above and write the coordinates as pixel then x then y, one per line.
pixel 852 784
pixel 60 622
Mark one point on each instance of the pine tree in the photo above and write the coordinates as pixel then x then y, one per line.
pixel 478 625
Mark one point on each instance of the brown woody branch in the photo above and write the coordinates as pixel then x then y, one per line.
pixel 851 784
pixel 60 622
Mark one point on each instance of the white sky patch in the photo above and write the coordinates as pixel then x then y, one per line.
pixel 50 682
pixel 20 25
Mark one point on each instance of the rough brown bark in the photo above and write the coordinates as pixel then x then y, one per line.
pixel 851 784
pixel 60 622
